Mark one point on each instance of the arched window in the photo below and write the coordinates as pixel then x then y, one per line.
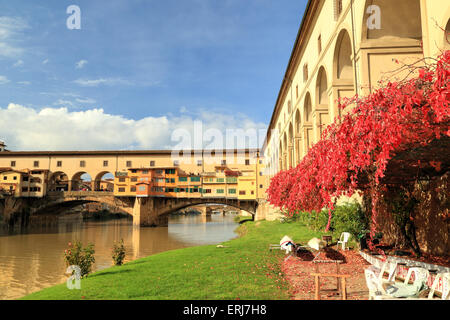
pixel 322 86
pixel 387 18
pixel 305 72
pixel 337 9
pixel 308 108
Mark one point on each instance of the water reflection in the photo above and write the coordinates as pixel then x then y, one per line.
pixel 33 259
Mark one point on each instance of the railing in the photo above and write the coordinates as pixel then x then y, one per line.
pixel 69 194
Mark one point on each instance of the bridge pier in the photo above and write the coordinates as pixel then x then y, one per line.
pixel 204 210
pixel 145 213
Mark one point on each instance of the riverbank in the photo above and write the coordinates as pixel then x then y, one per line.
pixel 243 268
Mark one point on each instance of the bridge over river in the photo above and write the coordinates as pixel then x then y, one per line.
pixel 146 211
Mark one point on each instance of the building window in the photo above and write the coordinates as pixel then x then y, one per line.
pixel 261 186
pixel 199 163
pixel 296 91
pixel 142 188
pixel 15 178
pixel 5 177
pixel 305 72
pixel 133 179
pixel 289 107
pixel 195 179
pixel 253 192
pixel 121 179
pixel 129 164
pixel 247 162
pixel 337 9
pixel 224 162
pixel 59 163
pixel 13 163
pixel 232 191
pixel 36 164
pixel 220 191
pixel 260 173
pixel 260 162
pixel 105 163
pixel 319 43
pixel 242 192
pixel 152 163
pixel 176 163
pixel 133 189
pixel 220 180
pixel 144 171
pixel 121 189
pixel 82 163
pixel 183 179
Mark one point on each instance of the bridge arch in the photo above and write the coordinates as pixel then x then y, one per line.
pixel 236 205
pixel 59 202
pixel 82 180
pixel 102 182
pixel 58 181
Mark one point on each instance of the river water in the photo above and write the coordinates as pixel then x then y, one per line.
pixel 33 259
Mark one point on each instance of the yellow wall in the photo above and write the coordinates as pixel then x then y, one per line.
pixel 352 60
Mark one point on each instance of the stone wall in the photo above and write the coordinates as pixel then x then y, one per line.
pixel 431 218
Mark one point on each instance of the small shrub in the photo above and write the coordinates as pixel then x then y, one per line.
pixel 81 257
pixel 350 218
pixel 118 253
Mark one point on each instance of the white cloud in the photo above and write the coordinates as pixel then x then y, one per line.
pixel 10 33
pixel 102 81
pixel 61 102
pixel 25 128
pixel 80 64
pixel 45 61
pixel 3 80
pixel 85 100
pixel 19 63
pixel 26 83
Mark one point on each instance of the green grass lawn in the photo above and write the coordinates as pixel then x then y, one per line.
pixel 243 269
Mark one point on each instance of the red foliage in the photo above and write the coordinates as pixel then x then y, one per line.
pixel 388 121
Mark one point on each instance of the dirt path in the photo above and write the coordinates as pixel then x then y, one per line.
pixel 298 268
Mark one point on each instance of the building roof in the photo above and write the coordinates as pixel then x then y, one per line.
pixel 117 152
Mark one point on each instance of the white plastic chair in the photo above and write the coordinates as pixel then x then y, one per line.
pixel 379 272
pixel 345 236
pixel 445 276
pixel 376 290
pixel 420 274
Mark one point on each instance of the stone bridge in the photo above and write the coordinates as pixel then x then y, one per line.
pixel 146 211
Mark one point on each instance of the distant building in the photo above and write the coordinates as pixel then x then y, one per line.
pixel 2 146
pixel 23 183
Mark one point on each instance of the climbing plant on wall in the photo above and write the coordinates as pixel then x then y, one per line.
pixel 356 150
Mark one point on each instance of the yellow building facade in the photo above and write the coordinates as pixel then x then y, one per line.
pixel 193 174
pixel 343 48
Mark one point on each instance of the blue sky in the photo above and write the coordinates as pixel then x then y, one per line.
pixel 137 60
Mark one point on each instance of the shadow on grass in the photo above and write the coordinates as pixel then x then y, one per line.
pixel 107 273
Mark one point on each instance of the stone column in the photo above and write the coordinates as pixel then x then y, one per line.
pixel 145 213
